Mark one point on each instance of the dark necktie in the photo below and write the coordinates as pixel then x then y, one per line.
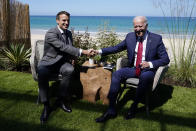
pixel 139 58
pixel 65 37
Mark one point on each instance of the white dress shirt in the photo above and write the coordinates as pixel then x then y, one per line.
pixel 145 37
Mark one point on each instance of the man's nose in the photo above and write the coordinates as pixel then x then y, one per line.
pixel 137 30
pixel 66 22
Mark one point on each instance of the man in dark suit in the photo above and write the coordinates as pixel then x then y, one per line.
pixel 59 54
pixel 146 52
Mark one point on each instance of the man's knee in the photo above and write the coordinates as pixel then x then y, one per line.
pixel 42 72
pixel 147 77
pixel 67 70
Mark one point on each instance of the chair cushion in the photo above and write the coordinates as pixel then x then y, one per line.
pixel 158 76
pixel 132 81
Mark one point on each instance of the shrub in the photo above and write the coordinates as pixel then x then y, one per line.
pixel 83 41
pixel 107 37
pixel 104 38
pixel 17 56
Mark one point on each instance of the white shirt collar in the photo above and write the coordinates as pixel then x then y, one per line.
pixel 60 29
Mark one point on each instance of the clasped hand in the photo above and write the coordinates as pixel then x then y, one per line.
pixel 90 52
pixel 144 64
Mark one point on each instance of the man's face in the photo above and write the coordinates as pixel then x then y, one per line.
pixel 140 27
pixel 63 21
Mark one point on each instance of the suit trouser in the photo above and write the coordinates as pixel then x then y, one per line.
pixel 145 80
pixel 45 72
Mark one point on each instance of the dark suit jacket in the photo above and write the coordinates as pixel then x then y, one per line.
pixel 56 47
pixel 155 49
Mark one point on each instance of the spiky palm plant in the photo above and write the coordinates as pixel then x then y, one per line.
pixel 17 55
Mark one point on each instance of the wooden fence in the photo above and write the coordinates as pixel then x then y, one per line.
pixel 14 23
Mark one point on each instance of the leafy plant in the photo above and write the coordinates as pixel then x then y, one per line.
pixel 107 37
pixel 17 55
pixel 83 41
pixel 97 58
pixel 104 38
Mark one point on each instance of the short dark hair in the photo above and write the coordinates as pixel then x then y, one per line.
pixel 62 12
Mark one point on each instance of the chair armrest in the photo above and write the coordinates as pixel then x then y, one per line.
pixel 159 75
pixel 118 63
pixel 122 62
pixel 36 55
pixel 33 64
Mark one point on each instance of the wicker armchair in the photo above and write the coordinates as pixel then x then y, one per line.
pixel 36 56
pixel 133 82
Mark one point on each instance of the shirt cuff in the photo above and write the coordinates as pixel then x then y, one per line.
pixel 151 65
pixel 80 52
pixel 100 51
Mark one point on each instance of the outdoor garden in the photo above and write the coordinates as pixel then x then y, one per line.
pixel 172 104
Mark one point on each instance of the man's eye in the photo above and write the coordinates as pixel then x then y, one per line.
pixel 138 26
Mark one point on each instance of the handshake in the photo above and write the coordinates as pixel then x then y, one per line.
pixel 90 52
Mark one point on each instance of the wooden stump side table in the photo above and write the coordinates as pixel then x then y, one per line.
pixel 96 82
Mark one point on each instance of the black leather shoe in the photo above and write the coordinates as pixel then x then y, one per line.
pixel 106 116
pixel 132 111
pixel 66 107
pixel 45 114
pixel 130 115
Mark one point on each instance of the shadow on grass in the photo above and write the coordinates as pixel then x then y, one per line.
pixel 25 96
pixel 160 116
pixel 13 125
pixel 165 119
pixel 159 97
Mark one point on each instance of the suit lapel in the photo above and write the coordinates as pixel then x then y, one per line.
pixel 134 44
pixel 148 44
pixel 61 36
pixel 69 41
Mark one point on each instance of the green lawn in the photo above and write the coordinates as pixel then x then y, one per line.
pixel 174 109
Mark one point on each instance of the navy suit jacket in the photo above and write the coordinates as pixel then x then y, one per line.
pixel 155 49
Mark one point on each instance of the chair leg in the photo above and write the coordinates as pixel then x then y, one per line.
pixel 120 93
pixel 147 103
pixel 38 98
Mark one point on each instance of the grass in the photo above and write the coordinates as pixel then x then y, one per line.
pixel 174 109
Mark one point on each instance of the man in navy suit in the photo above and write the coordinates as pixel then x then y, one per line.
pixel 146 52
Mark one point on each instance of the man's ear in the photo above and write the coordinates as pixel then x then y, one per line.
pixel 57 21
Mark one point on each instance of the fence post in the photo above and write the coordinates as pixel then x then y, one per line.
pixel 14 23
pixel 5 11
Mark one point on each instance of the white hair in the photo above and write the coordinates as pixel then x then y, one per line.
pixel 143 18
